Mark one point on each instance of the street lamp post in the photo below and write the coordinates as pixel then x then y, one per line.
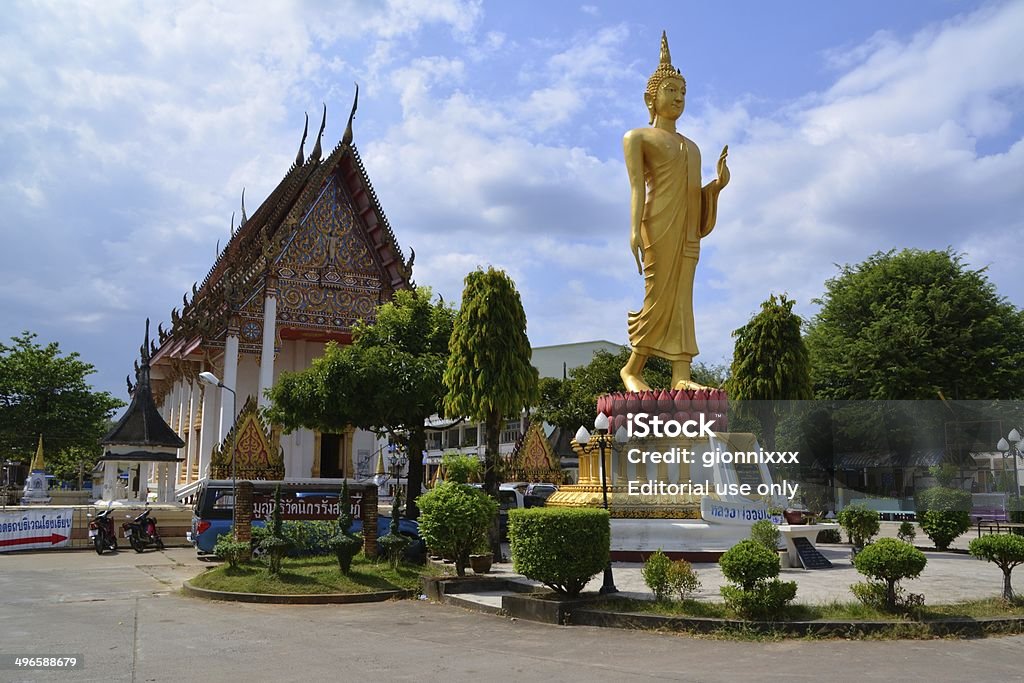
pixel 1010 448
pixel 211 379
pixel 583 440
pixel 398 461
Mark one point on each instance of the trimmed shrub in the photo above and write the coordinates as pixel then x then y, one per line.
pixel 756 593
pixel 764 601
pixel 454 518
pixel 907 534
pixel 275 544
pixel 889 560
pixel 860 523
pixel 1006 551
pixel 655 573
pixel 765 533
pixel 944 514
pixel 563 548
pixel 829 536
pixel 234 552
pixel 682 579
pixel 393 544
pixel 749 562
pixel 345 544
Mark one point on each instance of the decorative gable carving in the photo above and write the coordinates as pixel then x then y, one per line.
pixel 533 459
pixel 258 448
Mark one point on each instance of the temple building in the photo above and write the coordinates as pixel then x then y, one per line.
pixel 315 257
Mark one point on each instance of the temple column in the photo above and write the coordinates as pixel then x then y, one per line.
pixel 169 483
pixel 161 480
pixel 109 479
pixel 143 493
pixel 184 399
pixel 227 407
pixel 208 430
pixel 267 355
pixel 190 457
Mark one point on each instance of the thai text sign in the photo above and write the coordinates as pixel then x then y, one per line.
pixel 34 529
pixel 306 507
pixel 732 513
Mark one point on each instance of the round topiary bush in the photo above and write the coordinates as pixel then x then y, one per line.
pixel 454 518
pixel 563 548
pixel 944 514
pixel 889 560
pixel 860 523
pixel 749 562
pixel 1006 551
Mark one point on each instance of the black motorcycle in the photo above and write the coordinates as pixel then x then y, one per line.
pixel 141 533
pixel 101 531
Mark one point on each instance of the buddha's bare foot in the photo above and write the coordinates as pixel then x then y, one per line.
pixel 688 384
pixel 633 382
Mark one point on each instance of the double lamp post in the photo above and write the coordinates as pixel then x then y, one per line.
pixel 1010 448
pixel 603 444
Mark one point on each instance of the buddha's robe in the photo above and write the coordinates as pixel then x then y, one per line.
pixel 678 212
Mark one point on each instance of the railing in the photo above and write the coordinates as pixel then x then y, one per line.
pixel 186 495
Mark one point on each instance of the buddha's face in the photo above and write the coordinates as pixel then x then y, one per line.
pixel 671 99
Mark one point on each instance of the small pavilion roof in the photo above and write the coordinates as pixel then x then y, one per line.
pixel 142 424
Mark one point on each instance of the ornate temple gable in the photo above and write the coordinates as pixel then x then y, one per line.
pixel 328 278
pixel 323 207
pixel 258 453
pixel 533 459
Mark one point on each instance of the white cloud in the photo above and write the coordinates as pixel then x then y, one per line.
pixel 134 128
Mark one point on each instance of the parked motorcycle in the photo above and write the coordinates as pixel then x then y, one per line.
pixel 141 533
pixel 101 531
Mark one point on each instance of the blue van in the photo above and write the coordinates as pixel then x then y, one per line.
pixel 315 499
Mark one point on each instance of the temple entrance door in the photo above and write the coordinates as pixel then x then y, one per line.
pixel 332 456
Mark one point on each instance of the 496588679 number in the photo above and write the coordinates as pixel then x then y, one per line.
pixel 40 661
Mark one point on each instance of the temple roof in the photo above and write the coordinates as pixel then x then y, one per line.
pixel 250 261
pixel 142 424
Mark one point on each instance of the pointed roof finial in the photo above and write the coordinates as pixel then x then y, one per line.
pixel 346 139
pixel 299 158
pixel 315 154
pixel 145 346
pixel 244 218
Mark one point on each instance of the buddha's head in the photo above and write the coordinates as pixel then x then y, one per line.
pixel 666 88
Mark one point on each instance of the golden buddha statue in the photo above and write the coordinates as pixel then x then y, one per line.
pixel 669 214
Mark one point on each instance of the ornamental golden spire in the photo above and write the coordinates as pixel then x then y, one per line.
pixel 37 462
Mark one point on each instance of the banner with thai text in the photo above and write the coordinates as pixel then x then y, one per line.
pixel 35 529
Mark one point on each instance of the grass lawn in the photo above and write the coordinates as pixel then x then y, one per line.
pixel 314 575
pixel 835 611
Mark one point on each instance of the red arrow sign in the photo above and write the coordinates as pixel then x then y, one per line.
pixel 52 539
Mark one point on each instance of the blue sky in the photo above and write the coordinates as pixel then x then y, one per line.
pixel 492 134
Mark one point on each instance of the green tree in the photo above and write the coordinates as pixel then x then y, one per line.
pixel 489 375
pixel 43 391
pixel 571 402
pixel 387 380
pixel 913 325
pixel 771 365
pixel 1006 551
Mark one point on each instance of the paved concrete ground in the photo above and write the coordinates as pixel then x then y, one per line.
pixel 948 576
pixel 124 613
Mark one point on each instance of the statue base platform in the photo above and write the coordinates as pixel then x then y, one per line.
pixel 624 506
pixel 634 540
